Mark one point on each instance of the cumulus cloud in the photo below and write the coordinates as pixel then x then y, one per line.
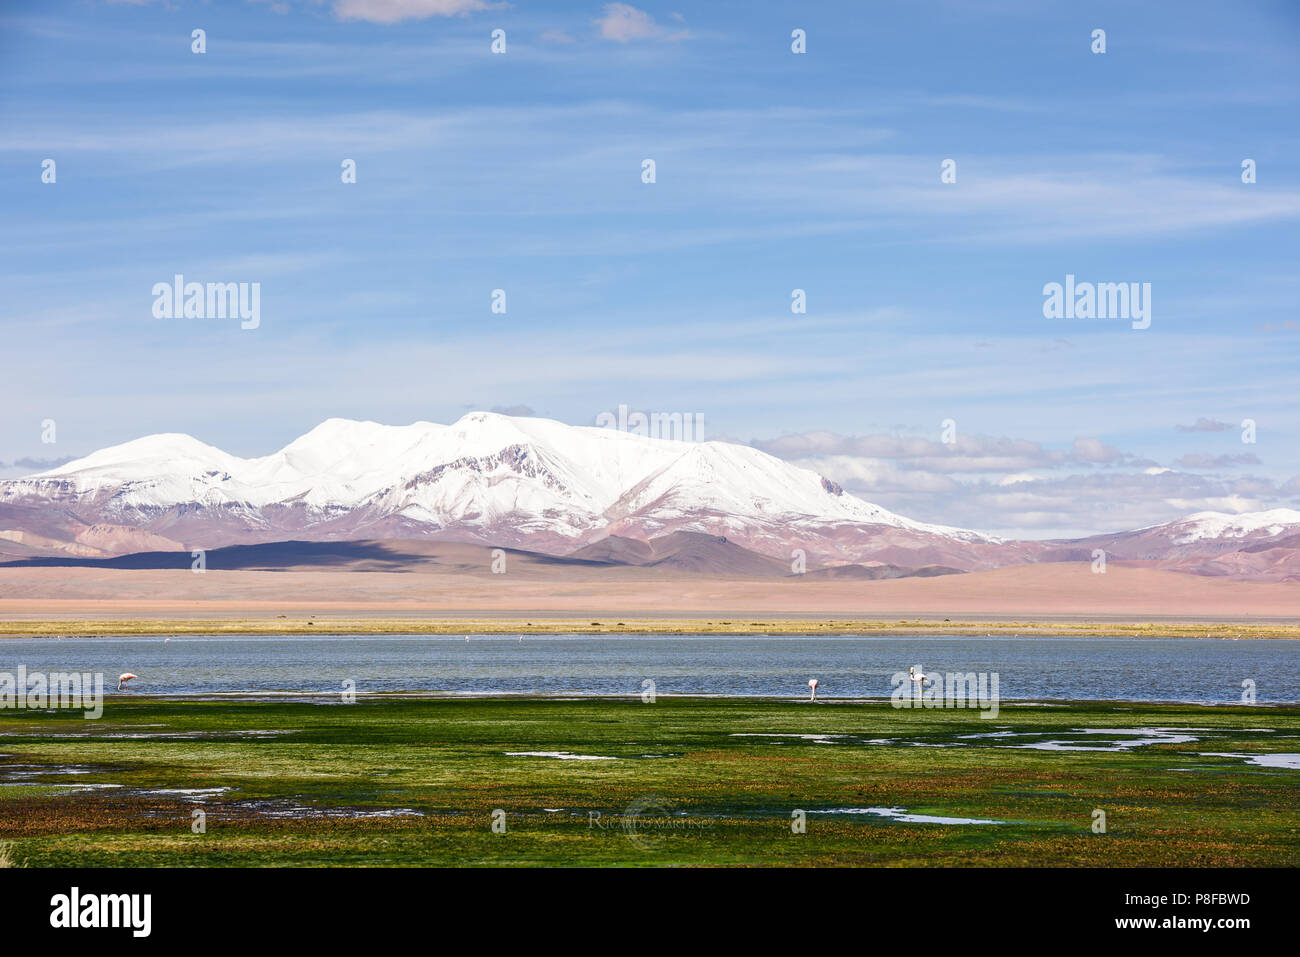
pixel 878 475
pixel 623 23
pixel 1094 451
pixel 394 11
pixel 1019 488
pixel 1075 505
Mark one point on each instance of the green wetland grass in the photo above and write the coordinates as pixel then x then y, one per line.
pixel 681 781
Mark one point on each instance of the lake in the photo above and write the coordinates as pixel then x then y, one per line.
pixel 1169 669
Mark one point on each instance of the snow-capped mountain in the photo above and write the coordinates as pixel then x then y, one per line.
pixel 1200 535
pixel 547 487
pixel 496 479
pixel 1222 526
pixel 1255 545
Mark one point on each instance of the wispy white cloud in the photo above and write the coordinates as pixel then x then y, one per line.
pixel 812 170
pixel 1205 425
pixel 395 11
pixel 1195 460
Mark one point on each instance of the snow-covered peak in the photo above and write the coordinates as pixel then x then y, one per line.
pixel 485 469
pixel 1207 525
pixel 153 456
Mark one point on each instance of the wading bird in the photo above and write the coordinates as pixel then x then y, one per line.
pixel 812 683
pixel 123 679
pixel 918 676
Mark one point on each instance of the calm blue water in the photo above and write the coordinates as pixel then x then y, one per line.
pixel 1169 669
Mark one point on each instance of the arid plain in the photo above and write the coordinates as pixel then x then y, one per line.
pixel 440 585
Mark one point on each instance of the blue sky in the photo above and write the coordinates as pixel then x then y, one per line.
pixel 775 171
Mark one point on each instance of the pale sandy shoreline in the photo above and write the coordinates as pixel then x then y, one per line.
pixel 379 622
pixel 1043 599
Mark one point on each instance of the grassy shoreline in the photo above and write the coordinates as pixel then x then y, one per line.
pixel 624 625
pixel 679 782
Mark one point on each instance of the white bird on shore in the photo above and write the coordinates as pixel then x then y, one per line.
pixel 812 683
pixel 123 679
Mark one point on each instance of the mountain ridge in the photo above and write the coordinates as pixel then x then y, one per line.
pixel 543 486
